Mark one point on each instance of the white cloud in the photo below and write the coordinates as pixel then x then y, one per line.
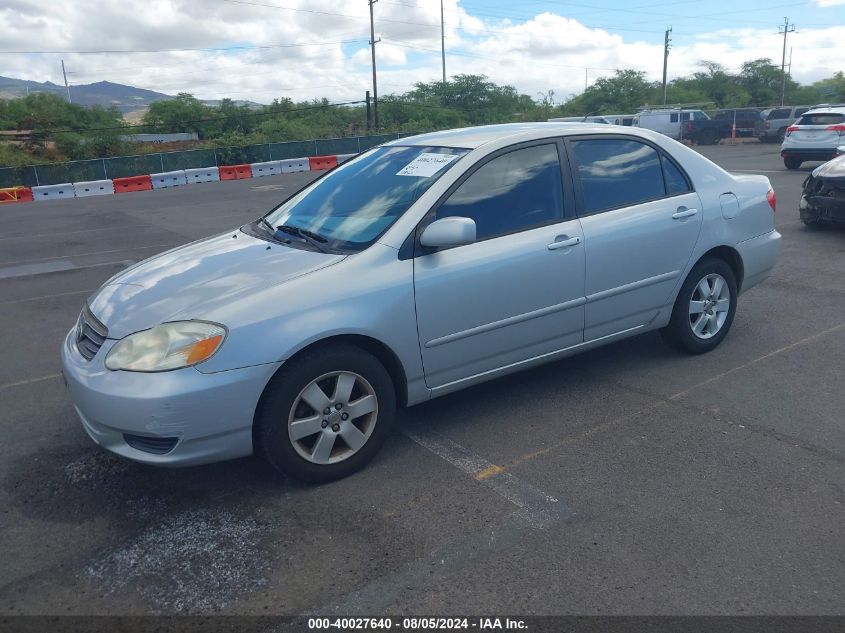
pixel 549 51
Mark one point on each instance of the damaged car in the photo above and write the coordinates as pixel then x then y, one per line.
pixel 823 198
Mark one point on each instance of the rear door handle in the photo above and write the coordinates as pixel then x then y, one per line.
pixel 564 241
pixel 683 212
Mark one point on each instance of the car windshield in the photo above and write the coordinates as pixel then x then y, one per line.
pixel 353 205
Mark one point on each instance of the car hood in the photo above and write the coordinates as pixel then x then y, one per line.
pixel 194 281
pixel 831 169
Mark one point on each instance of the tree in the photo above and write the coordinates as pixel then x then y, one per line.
pixel 185 113
pixel 763 81
pixel 623 92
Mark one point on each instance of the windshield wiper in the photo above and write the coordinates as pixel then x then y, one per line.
pixel 314 239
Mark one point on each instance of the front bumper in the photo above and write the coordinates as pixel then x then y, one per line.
pixel 823 200
pixel 210 415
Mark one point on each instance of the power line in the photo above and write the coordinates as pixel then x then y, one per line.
pixel 787 29
pixel 460 54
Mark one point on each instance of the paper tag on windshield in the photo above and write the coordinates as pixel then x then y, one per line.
pixel 426 165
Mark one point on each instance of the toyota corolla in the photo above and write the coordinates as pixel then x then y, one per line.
pixel 418 268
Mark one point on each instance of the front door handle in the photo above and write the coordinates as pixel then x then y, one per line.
pixel 564 241
pixel 683 212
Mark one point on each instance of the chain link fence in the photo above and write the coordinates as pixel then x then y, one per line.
pixel 121 166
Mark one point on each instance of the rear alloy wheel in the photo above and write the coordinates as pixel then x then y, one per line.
pixel 790 162
pixel 704 309
pixel 325 414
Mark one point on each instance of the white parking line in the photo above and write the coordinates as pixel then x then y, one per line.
pixel 766 171
pixel 30 381
pixel 537 508
pixel 75 255
pixel 60 265
pixel 41 297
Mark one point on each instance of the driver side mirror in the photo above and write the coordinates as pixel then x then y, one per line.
pixel 447 232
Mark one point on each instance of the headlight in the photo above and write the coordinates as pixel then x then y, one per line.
pixel 167 346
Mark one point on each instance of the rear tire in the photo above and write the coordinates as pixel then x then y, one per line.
pixel 704 309
pixel 790 162
pixel 301 430
pixel 707 137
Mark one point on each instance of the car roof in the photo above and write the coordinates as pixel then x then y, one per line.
pixel 473 137
pixel 824 109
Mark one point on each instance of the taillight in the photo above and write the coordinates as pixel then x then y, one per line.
pixel 791 129
pixel 836 128
pixel 689 126
pixel 770 196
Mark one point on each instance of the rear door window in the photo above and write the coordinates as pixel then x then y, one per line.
pixel 619 172
pixel 822 118
pixel 781 113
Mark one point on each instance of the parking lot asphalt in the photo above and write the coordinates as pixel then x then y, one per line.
pixel 627 480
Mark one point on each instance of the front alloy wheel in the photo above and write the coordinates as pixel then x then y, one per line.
pixel 325 413
pixel 333 417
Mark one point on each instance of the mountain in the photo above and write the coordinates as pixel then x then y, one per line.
pixel 102 93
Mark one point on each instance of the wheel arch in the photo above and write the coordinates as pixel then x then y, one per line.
pixel 730 256
pixel 385 355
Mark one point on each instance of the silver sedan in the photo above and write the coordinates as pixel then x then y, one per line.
pixel 418 268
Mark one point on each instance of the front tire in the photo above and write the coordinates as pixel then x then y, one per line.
pixel 704 309
pixel 325 414
pixel 790 162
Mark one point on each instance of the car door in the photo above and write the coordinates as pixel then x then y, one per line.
pixel 641 220
pixel 517 292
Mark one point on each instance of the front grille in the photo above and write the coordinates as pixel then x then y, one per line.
pixel 154 445
pixel 90 334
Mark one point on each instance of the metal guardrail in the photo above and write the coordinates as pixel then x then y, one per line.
pixel 123 166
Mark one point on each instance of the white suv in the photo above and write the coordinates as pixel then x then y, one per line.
pixel 815 136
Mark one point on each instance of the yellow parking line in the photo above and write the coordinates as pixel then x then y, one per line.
pixel 676 396
pixel 780 350
pixel 488 472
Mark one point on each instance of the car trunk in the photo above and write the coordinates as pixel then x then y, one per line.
pixel 820 129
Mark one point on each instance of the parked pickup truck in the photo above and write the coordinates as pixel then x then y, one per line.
pixel 711 131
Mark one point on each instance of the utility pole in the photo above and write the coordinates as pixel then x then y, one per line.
pixel 787 29
pixel 369 114
pixel 373 49
pixel 64 74
pixel 585 79
pixel 443 41
pixel 667 40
